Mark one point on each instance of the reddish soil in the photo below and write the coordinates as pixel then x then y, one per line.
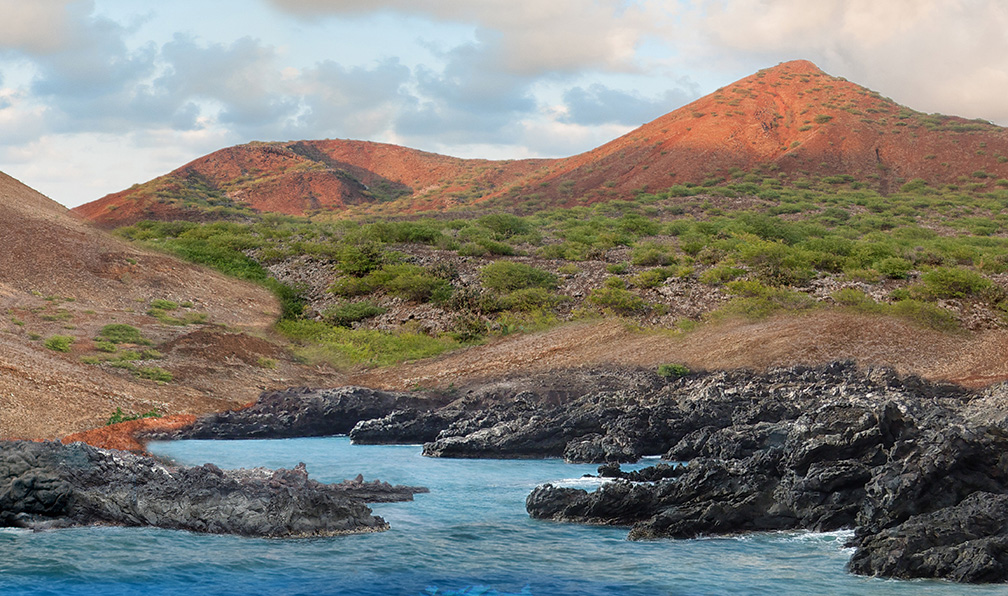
pixel 307 177
pixel 792 118
pixel 123 435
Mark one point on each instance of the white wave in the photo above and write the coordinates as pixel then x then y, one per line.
pixel 587 483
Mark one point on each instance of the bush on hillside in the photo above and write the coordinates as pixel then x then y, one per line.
pixel 508 276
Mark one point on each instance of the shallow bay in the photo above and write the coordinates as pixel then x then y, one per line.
pixel 470 536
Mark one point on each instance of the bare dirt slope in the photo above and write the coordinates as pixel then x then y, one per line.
pixel 814 338
pixel 59 276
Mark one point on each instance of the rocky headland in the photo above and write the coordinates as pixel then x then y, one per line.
pixel 919 469
pixel 49 485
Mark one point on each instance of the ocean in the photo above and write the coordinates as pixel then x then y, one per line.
pixel 469 536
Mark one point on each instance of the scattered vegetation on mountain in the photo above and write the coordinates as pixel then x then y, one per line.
pixel 758 245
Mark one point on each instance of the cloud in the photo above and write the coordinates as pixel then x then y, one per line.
pixel 933 55
pixel 358 102
pixel 40 27
pixel 599 104
pixel 535 37
pixel 244 79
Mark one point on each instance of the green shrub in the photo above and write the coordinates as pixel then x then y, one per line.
pixel 721 274
pixel 359 259
pixel 530 299
pixel 343 348
pixel 105 346
pixel 472 249
pixel 754 301
pixel 505 225
pixel 618 300
pixel 163 304
pixel 153 373
pixel 673 370
pixel 894 267
pixel 508 276
pixel 346 314
pixel 617 268
pixel 352 286
pixel 649 254
pixel 777 263
pixel 953 282
pixel 121 333
pixel 59 343
pixel 120 416
pixel 474 300
pixel 652 278
pixel 467 328
pixel 925 314
pixel 410 282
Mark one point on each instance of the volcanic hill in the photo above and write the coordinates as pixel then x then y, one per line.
pixel 792 120
pixel 307 177
pixel 62 282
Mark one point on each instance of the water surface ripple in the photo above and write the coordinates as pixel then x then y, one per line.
pixel 469 536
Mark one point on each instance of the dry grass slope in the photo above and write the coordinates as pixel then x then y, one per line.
pixel 59 276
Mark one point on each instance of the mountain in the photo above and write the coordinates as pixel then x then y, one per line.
pixel 63 281
pixel 306 177
pixel 792 121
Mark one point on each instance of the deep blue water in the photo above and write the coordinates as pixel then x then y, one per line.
pixel 469 536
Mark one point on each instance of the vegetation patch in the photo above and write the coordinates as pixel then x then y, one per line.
pixel 59 343
pixel 121 333
pixel 344 348
pixel 508 276
pixel 120 416
pixel 346 314
pixel 673 370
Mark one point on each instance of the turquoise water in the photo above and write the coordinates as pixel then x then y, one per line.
pixel 469 536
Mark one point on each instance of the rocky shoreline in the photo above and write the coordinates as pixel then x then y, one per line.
pixel 918 469
pixel 49 485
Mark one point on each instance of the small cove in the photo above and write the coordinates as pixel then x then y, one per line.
pixel 470 535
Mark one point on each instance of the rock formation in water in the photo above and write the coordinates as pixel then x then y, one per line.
pixel 298 412
pixel 48 485
pixel 894 457
pixel 920 469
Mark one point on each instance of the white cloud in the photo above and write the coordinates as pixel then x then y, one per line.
pixel 933 55
pixel 76 168
pixel 41 26
pixel 535 36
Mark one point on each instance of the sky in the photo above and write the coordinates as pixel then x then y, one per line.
pixel 96 95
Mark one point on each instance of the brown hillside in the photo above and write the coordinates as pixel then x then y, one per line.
pixel 792 119
pixel 814 338
pixel 305 177
pixel 59 276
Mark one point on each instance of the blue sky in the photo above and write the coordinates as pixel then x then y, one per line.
pixel 96 95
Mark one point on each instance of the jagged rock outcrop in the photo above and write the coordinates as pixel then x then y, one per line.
pixel 913 466
pixel 893 457
pixel 299 412
pixel 49 485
